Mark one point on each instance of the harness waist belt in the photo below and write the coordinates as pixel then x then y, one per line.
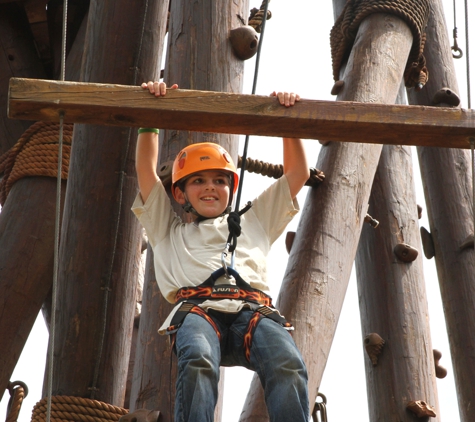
pixel 222 291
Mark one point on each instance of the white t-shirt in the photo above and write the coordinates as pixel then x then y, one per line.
pixel 185 254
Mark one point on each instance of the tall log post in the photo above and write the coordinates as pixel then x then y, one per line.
pixel 392 296
pixel 26 264
pixel 100 245
pixel 446 178
pixel 199 57
pixel 27 214
pixel 18 58
pixel 320 262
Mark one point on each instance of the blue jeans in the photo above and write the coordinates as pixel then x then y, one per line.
pixel 274 357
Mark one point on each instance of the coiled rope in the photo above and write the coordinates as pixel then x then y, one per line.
pixel 66 408
pixel 35 154
pixel 414 13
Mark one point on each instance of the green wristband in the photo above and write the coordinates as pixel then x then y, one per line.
pixel 148 130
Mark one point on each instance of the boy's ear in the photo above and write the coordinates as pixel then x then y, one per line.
pixel 179 196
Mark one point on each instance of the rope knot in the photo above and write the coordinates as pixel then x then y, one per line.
pixel 234 225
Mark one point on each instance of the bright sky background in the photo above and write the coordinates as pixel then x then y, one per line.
pixel 296 57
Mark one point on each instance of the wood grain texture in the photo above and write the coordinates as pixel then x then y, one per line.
pixel 207 111
pixel 447 180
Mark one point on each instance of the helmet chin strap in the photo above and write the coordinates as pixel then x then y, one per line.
pixel 187 207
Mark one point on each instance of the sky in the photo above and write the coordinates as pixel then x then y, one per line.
pixel 296 57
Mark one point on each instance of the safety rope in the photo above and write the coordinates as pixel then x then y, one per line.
pixel 54 290
pixel 414 13
pixel 18 391
pixel 66 408
pixel 467 57
pixel 35 154
pixel 264 6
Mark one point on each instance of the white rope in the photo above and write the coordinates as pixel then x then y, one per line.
pixel 56 226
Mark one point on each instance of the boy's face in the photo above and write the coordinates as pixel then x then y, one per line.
pixel 207 191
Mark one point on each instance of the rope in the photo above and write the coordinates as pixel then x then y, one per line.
pixel 256 16
pixel 467 57
pixel 277 170
pixel 57 222
pixel 414 13
pixel 265 4
pixel 457 51
pixel 66 408
pixel 18 391
pixel 35 154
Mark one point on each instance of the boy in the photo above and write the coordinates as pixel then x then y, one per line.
pixel 219 322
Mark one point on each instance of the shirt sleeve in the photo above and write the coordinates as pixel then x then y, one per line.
pixel 275 208
pixel 156 215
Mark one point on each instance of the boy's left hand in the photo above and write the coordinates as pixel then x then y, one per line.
pixel 286 98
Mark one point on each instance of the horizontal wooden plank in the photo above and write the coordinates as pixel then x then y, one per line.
pixel 206 111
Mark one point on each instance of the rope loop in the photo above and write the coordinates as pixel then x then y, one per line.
pixel 320 407
pixel 414 13
pixel 18 391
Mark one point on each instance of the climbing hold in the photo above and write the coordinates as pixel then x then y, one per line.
pixel 427 243
pixel 419 211
pixel 371 221
pixel 421 409
pixel 289 241
pixel 244 41
pixel 440 371
pixel 467 243
pixel 405 252
pixel 337 87
pixel 165 173
pixel 141 415
pixel 446 97
pixel 373 344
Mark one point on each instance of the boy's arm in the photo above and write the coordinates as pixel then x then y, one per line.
pixel 295 160
pixel 146 154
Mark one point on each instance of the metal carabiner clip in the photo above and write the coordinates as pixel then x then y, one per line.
pixel 223 260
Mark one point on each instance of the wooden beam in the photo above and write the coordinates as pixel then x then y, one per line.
pixel 207 111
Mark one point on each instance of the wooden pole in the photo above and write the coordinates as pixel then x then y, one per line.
pixel 324 247
pixel 199 57
pixel 221 112
pixel 100 243
pixel 447 180
pixel 18 58
pixel 392 296
pixel 26 264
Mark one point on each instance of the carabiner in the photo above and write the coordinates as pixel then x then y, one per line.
pixel 223 261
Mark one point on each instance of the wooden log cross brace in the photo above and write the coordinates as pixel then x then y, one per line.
pixel 219 112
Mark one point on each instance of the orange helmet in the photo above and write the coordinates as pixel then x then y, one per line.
pixel 199 157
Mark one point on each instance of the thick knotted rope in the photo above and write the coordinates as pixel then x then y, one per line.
pixel 35 154
pixel 257 15
pixel 74 409
pixel 414 13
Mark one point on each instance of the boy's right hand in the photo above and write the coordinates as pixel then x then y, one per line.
pixel 157 88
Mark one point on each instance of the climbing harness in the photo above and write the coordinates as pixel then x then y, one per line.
pixel 259 302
